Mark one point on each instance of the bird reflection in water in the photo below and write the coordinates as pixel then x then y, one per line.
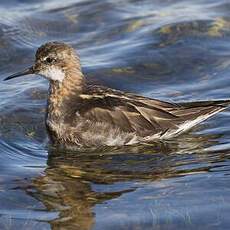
pixel 66 185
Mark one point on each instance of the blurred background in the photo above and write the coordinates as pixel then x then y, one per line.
pixel 172 50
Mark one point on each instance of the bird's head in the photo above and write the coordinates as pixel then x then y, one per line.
pixel 53 60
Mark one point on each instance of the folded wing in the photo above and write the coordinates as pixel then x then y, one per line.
pixel 144 116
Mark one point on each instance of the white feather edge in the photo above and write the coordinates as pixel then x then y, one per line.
pixel 188 125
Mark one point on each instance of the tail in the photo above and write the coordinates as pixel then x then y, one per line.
pixel 222 103
pixel 192 113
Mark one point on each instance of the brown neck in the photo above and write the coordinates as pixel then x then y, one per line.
pixel 63 95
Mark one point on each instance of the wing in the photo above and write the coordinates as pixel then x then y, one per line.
pixel 144 116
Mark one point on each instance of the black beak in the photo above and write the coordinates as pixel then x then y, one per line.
pixel 21 73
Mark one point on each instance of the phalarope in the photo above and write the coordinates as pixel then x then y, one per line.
pixel 79 114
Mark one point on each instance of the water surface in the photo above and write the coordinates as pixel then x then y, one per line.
pixel 172 50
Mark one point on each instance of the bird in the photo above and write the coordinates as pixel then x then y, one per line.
pixel 80 114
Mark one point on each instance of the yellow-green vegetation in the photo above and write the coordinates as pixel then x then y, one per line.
pixel 165 30
pixel 71 18
pixel 218 27
pixel 197 28
pixel 135 25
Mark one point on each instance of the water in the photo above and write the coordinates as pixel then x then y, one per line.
pixel 171 50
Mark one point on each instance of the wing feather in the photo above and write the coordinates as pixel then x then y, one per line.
pixel 145 116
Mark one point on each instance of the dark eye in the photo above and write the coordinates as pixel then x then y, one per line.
pixel 49 60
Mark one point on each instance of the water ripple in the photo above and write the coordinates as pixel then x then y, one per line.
pixel 176 50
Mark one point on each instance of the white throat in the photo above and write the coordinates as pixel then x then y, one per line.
pixel 53 73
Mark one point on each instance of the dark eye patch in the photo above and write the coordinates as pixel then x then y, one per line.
pixel 49 60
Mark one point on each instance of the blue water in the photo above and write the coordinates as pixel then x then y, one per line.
pixel 172 50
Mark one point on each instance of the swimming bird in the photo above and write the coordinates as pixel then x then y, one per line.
pixel 80 114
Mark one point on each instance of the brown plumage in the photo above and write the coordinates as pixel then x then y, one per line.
pixel 87 115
